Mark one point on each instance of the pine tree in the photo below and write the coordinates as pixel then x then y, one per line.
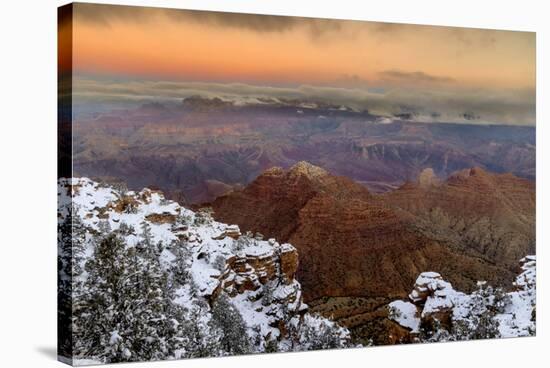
pixel 227 318
pixel 479 323
pixel 98 315
pixel 65 281
pixel 146 235
pixel 124 229
pixel 104 227
pixel 125 314
pixel 321 335
pixel 201 338
pixel 71 249
pixel 181 264
pixel 267 294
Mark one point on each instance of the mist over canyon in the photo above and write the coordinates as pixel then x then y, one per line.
pixel 201 148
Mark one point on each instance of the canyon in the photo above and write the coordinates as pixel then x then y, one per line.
pixel 200 148
pixel 359 250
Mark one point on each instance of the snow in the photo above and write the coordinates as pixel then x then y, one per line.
pixel 126 353
pixel 384 120
pixel 183 296
pixel 441 293
pixel 96 204
pixel 256 314
pixel 166 258
pixel 286 247
pixel 441 300
pixel 428 275
pixel 516 319
pixel 406 314
pixel 115 338
pixel 432 294
pixel 259 249
pixel 308 105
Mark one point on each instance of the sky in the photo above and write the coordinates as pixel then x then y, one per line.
pixel 123 53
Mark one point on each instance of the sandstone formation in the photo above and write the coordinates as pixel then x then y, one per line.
pixel 353 244
pixel 492 215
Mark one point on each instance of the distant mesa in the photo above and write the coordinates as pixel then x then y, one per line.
pixel 405 115
pixel 470 116
pixel 152 106
pixel 199 103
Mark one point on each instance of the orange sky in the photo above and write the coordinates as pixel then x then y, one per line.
pixel 129 55
pixel 173 44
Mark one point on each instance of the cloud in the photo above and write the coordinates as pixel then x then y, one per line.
pixel 485 38
pixel 415 77
pixel 482 106
pixel 107 15
pixel 252 22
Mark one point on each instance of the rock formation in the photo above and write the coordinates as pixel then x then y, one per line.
pixel 492 215
pixel 437 309
pixel 370 248
pixel 257 275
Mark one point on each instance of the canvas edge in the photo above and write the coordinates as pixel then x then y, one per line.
pixel 64 170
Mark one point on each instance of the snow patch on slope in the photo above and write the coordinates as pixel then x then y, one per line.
pixel 214 248
pixel 433 298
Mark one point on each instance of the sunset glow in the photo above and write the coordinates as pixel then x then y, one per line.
pixel 459 69
pixel 169 43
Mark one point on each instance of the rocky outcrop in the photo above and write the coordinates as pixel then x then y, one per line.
pixel 289 262
pixel 430 305
pixel 435 306
pixel 353 244
pixel 526 281
pixel 161 218
pixel 250 270
pixel 491 215
pixel 257 275
pixel 350 242
pixel 436 297
pixel 231 231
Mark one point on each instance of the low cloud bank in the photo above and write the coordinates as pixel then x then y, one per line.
pixel 428 104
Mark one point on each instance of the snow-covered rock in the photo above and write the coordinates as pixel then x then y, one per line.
pixel 487 312
pixel 257 275
pixel 435 294
pixel 518 316
pixel 406 314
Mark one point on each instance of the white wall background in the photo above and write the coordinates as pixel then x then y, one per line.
pixel 28 179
